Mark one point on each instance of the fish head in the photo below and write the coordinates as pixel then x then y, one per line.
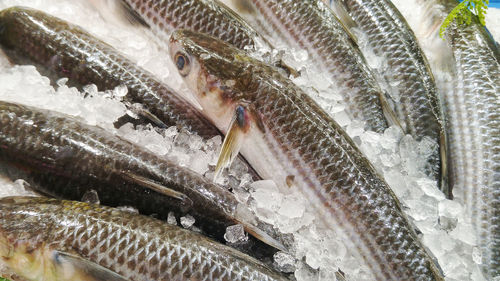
pixel 23 237
pixel 10 21
pixel 217 72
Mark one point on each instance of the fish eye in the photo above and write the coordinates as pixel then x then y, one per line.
pixel 182 63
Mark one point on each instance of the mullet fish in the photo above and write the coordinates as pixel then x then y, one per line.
pixel 289 139
pixel 205 16
pixel 472 108
pixel 49 239
pixel 408 73
pixel 312 26
pixel 65 158
pixel 61 49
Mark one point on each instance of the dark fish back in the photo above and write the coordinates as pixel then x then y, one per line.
pixel 60 49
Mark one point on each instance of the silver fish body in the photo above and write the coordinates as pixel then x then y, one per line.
pixel 312 26
pixel 63 157
pixel 472 108
pixel 61 49
pixel 49 239
pixel 290 140
pixel 206 16
pixel 407 74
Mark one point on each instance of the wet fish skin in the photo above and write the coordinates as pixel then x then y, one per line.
pixel 134 246
pixel 61 49
pixel 472 108
pixel 290 139
pixel 311 25
pixel 390 36
pixel 206 16
pixel 60 156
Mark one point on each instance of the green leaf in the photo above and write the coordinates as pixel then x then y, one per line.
pixel 464 12
pixel 4 279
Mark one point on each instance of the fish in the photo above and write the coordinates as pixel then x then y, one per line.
pixel 206 16
pixel 61 49
pixel 51 239
pixel 407 74
pixel 312 26
pixel 60 156
pixel 472 108
pixel 289 139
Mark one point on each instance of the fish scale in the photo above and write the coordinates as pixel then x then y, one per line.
pixel 64 50
pixel 207 16
pixel 299 140
pixel 312 26
pixel 473 110
pixel 70 158
pixel 390 37
pixel 134 246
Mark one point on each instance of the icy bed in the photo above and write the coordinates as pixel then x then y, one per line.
pixel 320 252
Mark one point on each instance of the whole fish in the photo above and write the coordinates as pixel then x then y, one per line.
pixel 472 108
pixel 65 158
pixel 206 16
pixel 312 26
pixel 62 49
pixel 49 239
pixel 289 139
pixel 408 73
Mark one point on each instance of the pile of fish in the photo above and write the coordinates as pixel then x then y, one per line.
pixel 313 138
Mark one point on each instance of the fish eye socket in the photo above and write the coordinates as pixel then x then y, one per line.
pixel 182 63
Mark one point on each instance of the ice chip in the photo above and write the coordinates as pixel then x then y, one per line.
pixel 90 89
pixel 171 218
pixel 235 233
pixel 430 188
pixel 62 81
pixel 266 194
pixel 187 221
pixel 291 207
pixel 128 209
pixel 284 262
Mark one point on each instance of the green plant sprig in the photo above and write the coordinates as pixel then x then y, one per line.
pixel 463 13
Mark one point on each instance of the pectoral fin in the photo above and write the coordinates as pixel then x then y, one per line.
pixel 151 184
pixel 239 125
pixel 390 115
pixel 445 185
pixel 138 109
pixel 109 9
pixel 74 267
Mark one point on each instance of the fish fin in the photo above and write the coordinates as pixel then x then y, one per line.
pixel 86 267
pixel 264 237
pixel 390 115
pixel 139 109
pixel 131 15
pixel 151 184
pixel 445 185
pixel 342 14
pixel 249 221
pixel 234 138
pixel 290 71
pixel 109 8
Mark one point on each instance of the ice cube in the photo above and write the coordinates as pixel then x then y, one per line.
pixel 187 221
pixel 235 233
pixel 292 207
pixel 171 218
pixel 284 262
